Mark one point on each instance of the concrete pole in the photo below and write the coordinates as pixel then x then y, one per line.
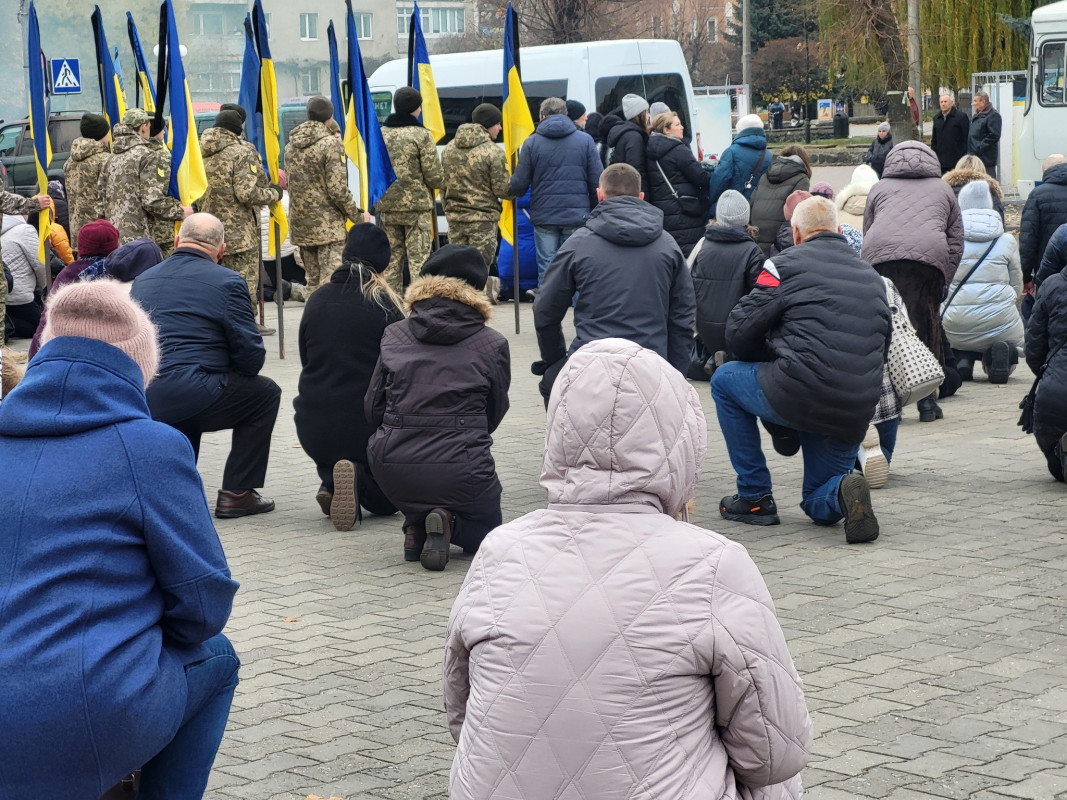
pixel 746 53
pixel 914 64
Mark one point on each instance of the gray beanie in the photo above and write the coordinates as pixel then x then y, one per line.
pixel 884 126
pixel 975 195
pixel 732 210
pixel 632 105
pixel 658 108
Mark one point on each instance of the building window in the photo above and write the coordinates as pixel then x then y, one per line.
pixel 657 28
pixel 363 25
pixel 309 81
pixel 713 29
pixel 435 21
pixel 207 81
pixel 208 23
pixel 309 27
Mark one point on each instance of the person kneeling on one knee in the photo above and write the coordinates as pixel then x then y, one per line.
pixel 811 339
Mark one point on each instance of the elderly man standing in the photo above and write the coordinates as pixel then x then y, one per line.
pixel 563 168
pixel 812 338
pixel 983 137
pixel 135 184
pixel 210 357
pixel 949 140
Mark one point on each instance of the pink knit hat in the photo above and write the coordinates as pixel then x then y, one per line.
pixel 103 310
pixel 794 200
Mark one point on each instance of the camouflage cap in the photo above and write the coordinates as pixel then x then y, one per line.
pixel 135 118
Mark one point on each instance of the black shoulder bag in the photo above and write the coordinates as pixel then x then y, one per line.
pixel 750 183
pixel 967 277
pixel 1026 419
pixel 691 206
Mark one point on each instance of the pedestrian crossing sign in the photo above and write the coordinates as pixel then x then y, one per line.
pixel 66 76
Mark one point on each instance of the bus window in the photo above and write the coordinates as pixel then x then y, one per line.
pixel 1051 75
pixel 664 88
pixel 459 102
pixel 383 104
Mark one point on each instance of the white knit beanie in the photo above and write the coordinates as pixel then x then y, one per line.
pixel 975 195
pixel 749 121
pixel 103 310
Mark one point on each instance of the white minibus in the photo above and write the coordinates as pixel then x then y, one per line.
pixel 1045 114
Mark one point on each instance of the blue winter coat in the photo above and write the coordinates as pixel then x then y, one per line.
pixel 111 574
pixel 737 162
pixel 563 166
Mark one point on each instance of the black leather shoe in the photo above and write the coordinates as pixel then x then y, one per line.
pixel 324 497
pixel 929 410
pixel 231 505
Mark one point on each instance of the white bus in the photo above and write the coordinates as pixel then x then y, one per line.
pixel 597 74
pixel 1045 114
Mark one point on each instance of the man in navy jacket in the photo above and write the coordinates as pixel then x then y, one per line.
pixel 562 166
pixel 211 355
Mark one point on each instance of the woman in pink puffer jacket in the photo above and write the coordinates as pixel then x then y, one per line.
pixel 601 649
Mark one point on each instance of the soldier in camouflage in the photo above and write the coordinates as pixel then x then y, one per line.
pixel 476 180
pixel 237 187
pixel 88 154
pixel 163 230
pixel 319 200
pixel 408 204
pixel 135 183
pixel 11 203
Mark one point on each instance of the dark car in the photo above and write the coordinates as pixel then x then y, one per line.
pixel 16 151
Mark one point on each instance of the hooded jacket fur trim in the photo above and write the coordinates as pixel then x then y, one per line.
pixel 450 289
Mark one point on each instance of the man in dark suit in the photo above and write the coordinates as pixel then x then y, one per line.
pixel 211 353
pixel 949 141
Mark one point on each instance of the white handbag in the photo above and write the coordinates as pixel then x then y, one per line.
pixel 913 370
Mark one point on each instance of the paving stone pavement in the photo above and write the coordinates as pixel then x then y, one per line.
pixel 934 660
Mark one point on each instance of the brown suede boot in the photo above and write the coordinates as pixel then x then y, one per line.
pixel 438 524
pixel 414 541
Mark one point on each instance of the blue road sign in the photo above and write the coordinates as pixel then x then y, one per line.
pixel 66 76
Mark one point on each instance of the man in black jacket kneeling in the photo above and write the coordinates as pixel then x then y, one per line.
pixel 811 337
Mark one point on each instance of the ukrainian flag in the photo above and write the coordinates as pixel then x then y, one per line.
pixel 111 97
pixel 364 144
pixel 268 101
pixel 188 181
pixel 42 147
pixel 248 97
pixel 420 78
pixel 144 80
pixel 517 122
pixel 340 110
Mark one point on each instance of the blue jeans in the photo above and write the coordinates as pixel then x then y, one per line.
pixel 887 436
pixel 547 240
pixel 739 404
pixel 180 770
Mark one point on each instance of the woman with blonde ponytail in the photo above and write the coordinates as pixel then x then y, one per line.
pixel 340 341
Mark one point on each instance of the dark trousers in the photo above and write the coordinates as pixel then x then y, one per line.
pixel 371 497
pixel 548 379
pixel 23 319
pixel 473 521
pixel 249 406
pixel 923 288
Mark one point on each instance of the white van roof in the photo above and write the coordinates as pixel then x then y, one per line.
pixel 1054 12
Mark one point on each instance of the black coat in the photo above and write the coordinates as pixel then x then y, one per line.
pixel 206 331
pixel 687 177
pixel 340 340
pixel 724 271
pixel 1046 335
pixel 822 326
pixel 1045 210
pixel 628 142
pixel 983 137
pixel 783 240
pixel 439 390
pixel 877 152
pixel 949 140
pixel 782 178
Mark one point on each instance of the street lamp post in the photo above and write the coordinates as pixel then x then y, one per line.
pixel 807 81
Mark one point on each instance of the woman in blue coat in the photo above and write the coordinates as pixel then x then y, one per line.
pixel 743 163
pixel 113 584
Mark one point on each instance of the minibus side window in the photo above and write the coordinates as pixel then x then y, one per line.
pixel 666 88
pixel 1052 75
pixel 459 102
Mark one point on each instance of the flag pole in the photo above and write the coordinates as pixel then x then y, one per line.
pixel 279 294
pixel 515 247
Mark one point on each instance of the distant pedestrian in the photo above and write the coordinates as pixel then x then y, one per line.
pixel 879 149
pixel 949 140
pixel 916 115
pixel 88 154
pixel 777 112
pixel 629 140
pixel 743 163
pixel 983 138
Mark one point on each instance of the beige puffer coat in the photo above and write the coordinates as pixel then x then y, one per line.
pixel 598 648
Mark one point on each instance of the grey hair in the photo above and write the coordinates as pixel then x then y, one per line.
pixel 203 230
pixel 983 95
pixel 815 214
pixel 552 105
pixel 1053 160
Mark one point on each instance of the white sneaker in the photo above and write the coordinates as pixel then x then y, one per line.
pixel 872 460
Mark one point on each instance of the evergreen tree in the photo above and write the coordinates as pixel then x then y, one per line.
pixel 770 20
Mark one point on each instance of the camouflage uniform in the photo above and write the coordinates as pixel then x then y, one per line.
pixel 237 187
pixel 135 185
pixel 476 180
pixel 407 205
pixel 82 173
pixel 11 203
pixel 319 200
pixel 163 230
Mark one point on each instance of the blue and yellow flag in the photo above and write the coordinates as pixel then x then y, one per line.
pixel 42 147
pixel 188 181
pixel 420 78
pixel 146 91
pixel 272 132
pixel 517 122
pixel 340 110
pixel 112 101
pixel 364 144
pixel 248 97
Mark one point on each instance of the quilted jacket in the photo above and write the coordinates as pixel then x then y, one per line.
pixel 600 649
